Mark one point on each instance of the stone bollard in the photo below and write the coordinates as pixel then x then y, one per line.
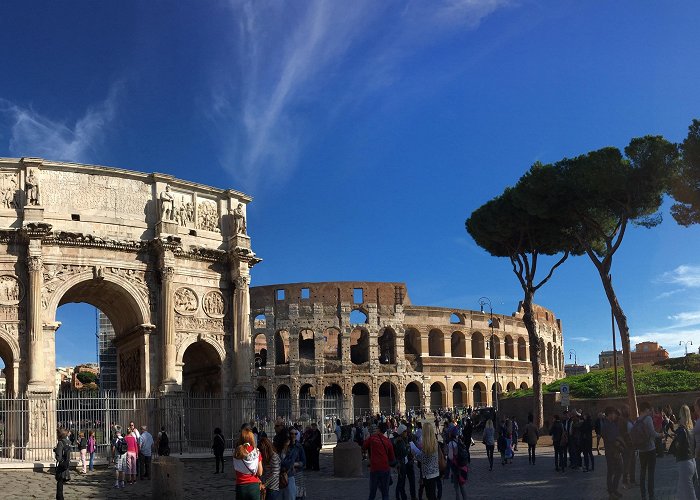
pixel 347 460
pixel 167 478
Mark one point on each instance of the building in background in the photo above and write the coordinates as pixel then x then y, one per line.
pixel 576 369
pixel 648 352
pixel 3 382
pixel 106 353
pixel 64 375
pixel 606 358
pixel 92 368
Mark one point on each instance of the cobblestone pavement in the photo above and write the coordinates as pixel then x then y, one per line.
pixel 514 481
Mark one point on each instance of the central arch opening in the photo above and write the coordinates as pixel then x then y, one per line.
pixel 201 372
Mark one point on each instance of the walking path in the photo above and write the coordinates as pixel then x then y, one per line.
pixel 514 481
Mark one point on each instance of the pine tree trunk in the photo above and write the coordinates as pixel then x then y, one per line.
pixel 531 326
pixel 622 326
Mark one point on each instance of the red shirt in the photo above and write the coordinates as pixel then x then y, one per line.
pixel 132 445
pixel 381 452
pixel 246 469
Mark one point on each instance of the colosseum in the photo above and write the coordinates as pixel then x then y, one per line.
pixel 365 348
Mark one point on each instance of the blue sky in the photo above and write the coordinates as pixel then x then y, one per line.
pixel 368 131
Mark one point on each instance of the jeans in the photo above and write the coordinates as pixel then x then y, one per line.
pixel 429 485
pixel 647 465
pixel 460 489
pixel 219 457
pixel 411 475
pixel 144 466
pixel 290 492
pixel 59 488
pixel 489 454
pixel 613 460
pixel 273 495
pixel 588 459
pixel 560 457
pixel 628 458
pixel 92 461
pixel 379 479
pixel 686 488
pixel 531 453
pixel 401 483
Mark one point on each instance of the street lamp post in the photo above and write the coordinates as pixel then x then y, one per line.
pixel 686 342
pixel 482 302
pixel 575 358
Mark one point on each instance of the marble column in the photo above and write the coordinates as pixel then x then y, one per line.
pixel 35 327
pixel 241 332
pixel 167 329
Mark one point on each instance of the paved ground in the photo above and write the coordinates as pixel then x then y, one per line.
pixel 515 481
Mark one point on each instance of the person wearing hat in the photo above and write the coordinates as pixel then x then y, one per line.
pixel 401 452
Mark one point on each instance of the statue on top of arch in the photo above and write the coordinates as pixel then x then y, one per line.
pixel 31 188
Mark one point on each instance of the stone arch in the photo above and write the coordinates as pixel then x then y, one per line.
pixel 359 346
pixel 283 396
pixel 510 387
pixel 361 399
pixel 281 347
pixel 436 343
pixel 495 343
pixel 333 346
pixel 456 318
pixel 459 394
pixel 509 347
pixel 479 390
pixel 523 385
pixel 438 396
pixel 543 352
pixel 412 395
pixel 307 400
pixel 260 346
pixel 202 368
pixel 261 406
pixel 458 345
pixel 522 349
pixel 191 339
pixel 388 397
pixel 411 342
pixel 478 347
pixel 387 346
pixel 333 400
pixel 550 358
pixel 496 388
pixel 10 354
pixel 306 344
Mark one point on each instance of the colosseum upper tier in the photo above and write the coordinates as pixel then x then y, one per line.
pixel 365 345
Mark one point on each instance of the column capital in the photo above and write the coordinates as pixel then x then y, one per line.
pixel 35 263
pixel 167 273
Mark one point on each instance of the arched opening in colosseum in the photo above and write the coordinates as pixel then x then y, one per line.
pixel 201 371
pixel 436 343
pixel 307 400
pixel 412 394
pixel 7 365
pixel 411 343
pixel 510 348
pixel 437 396
pixel 479 394
pixel 387 347
pixel 283 398
pixel 459 394
pixel 360 400
pixel 478 348
pixel 261 408
pixel 523 385
pixel 332 348
pixel 359 346
pixel 510 387
pixel 260 343
pixel 495 346
pixel 333 400
pixel 260 321
pixel 494 388
pixel 358 317
pixel 522 349
pixel 306 344
pixel 543 352
pixel 281 347
pixel 456 319
pixel 388 398
pixel 550 359
pixel 458 345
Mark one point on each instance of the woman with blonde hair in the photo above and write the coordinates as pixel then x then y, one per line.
pixel 428 458
pixel 683 448
pixel 247 464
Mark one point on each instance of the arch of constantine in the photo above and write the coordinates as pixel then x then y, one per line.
pixel 167 260
pixel 368 347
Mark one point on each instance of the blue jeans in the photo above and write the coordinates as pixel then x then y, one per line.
pixel 273 495
pixel 379 480
pixel 290 492
pixel 92 460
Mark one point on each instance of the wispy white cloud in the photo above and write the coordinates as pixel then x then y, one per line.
pixel 289 53
pixel 581 339
pixel 34 134
pixel 683 319
pixel 671 341
pixel 685 275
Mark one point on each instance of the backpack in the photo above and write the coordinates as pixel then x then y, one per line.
pixel 638 434
pixel 120 446
pixel 462 454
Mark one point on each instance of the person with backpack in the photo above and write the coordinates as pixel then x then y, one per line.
pixel 559 441
pixel 643 437
pixel 530 436
pixel 119 448
pixel 163 444
pixel 62 455
pixel 683 447
pixel 458 460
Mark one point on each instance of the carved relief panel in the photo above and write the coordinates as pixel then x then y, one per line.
pixel 186 301
pixel 10 194
pixel 11 290
pixel 207 215
pixel 130 370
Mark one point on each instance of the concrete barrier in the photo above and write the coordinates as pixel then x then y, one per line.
pixel 347 460
pixel 167 475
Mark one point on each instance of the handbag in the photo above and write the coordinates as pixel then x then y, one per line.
pixel 284 479
pixel 442 464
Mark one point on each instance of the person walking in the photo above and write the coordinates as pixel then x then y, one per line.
pixel 82 448
pixel 132 452
pixel 62 455
pixel 559 442
pixel 91 448
pixel 428 458
pixel 145 453
pixel 218 446
pixel 647 450
pixel 531 435
pixel 381 456
pixel 683 448
pixel 598 431
pixel 613 451
pixel 489 441
pixel 248 466
pixel 294 462
pixel 119 449
pixel 586 442
pixel 458 459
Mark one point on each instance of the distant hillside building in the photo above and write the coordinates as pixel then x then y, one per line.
pixel 576 369
pixel 648 352
pixel 606 359
pixel 90 367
